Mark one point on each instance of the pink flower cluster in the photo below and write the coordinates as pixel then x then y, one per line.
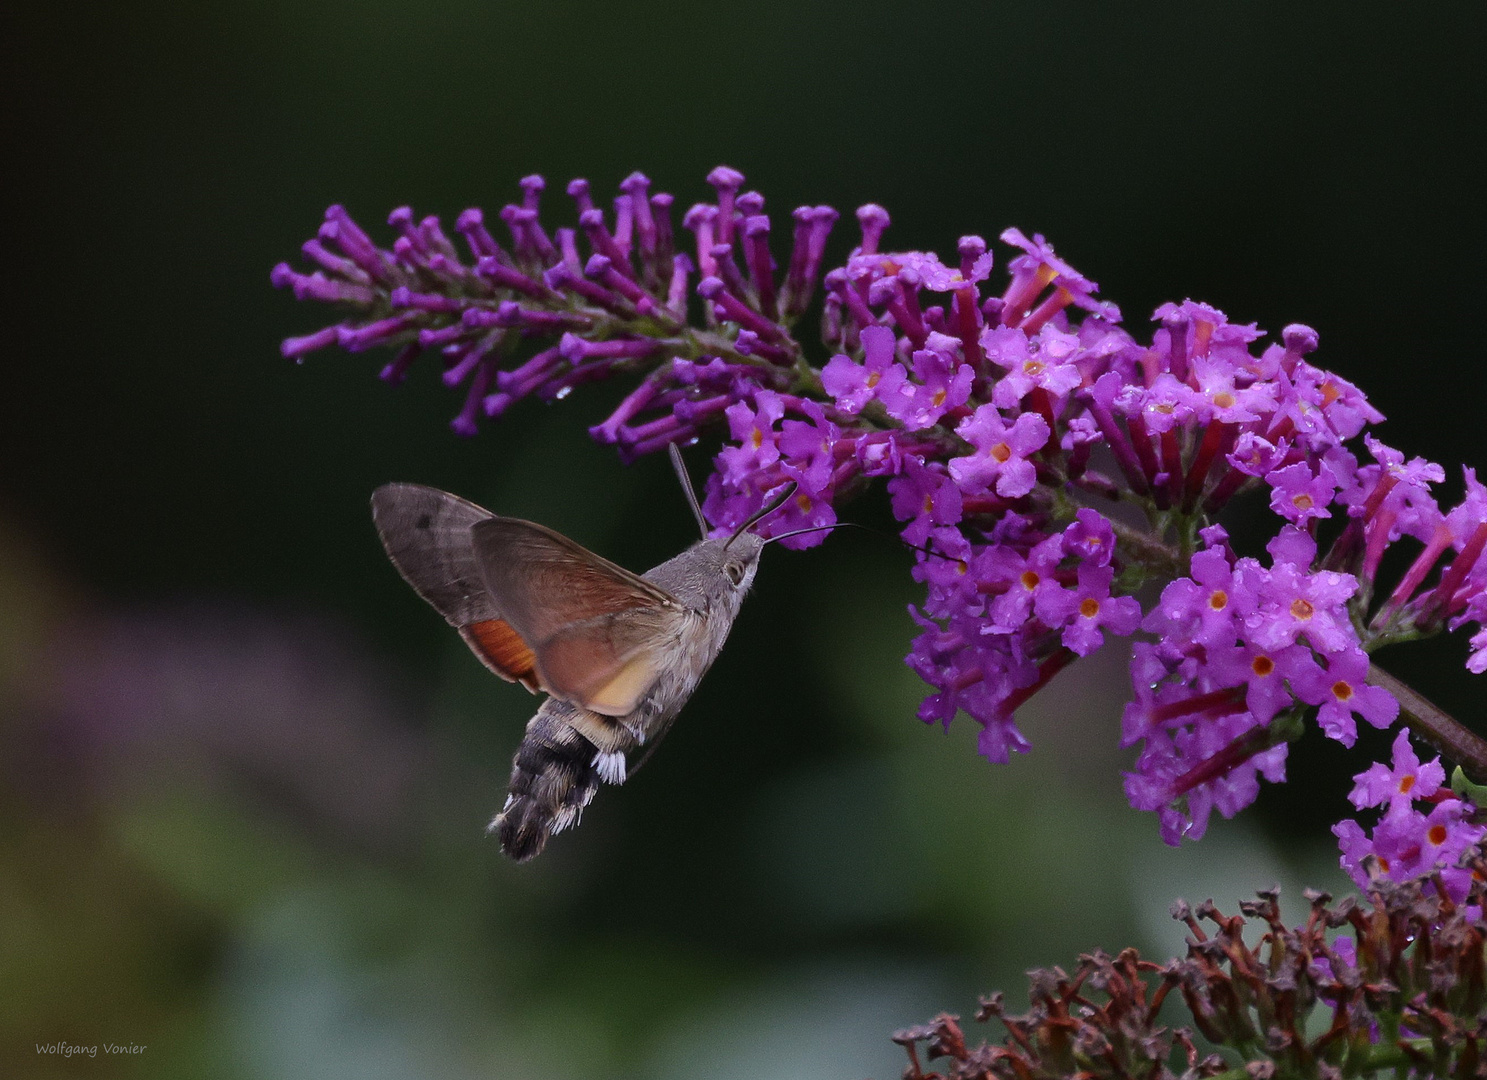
pixel 1408 843
pixel 1047 461
pixel 1239 643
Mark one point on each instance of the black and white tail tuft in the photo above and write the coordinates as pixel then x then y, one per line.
pixel 553 777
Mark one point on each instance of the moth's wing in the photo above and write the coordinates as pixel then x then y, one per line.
pixel 598 631
pixel 427 536
pixel 608 663
pixel 501 649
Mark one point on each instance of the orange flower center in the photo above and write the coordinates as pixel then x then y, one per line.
pixel 1001 451
pixel 1341 690
pixel 1406 784
pixel 1030 580
pixel 1224 400
pixel 1302 609
pixel 1437 835
pixel 873 379
pixel 758 439
pixel 1302 501
pixel 1262 666
pixel 1218 600
pixel 1089 607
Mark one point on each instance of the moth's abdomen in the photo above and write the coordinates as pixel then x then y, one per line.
pixel 553 777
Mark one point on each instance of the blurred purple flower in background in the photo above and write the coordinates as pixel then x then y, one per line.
pixel 255 704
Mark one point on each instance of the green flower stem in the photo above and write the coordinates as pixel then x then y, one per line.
pixel 1157 558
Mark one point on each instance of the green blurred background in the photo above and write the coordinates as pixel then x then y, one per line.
pixel 245 772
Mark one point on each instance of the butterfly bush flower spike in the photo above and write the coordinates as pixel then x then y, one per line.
pixel 1046 460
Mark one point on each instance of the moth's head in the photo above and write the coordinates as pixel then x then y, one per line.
pixel 713 573
pixel 739 559
pixel 728 563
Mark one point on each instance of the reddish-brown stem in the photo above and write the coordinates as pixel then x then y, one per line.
pixel 1226 760
pixel 1435 726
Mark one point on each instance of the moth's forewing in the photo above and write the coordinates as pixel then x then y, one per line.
pixel 543 581
pixel 427 536
pixel 594 627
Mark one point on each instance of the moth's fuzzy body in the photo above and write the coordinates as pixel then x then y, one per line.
pixel 569 750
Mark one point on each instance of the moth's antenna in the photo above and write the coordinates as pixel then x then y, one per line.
pixel 864 528
pixel 778 502
pixel 681 474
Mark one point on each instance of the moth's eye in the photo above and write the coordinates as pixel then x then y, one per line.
pixel 734 572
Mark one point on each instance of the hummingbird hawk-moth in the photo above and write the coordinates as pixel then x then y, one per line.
pixel 618 654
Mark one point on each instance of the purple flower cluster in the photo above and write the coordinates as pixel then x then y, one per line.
pixel 623 308
pixel 1046 461
pixel 1242 650
pixel 1408 843
pixel 1238 644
